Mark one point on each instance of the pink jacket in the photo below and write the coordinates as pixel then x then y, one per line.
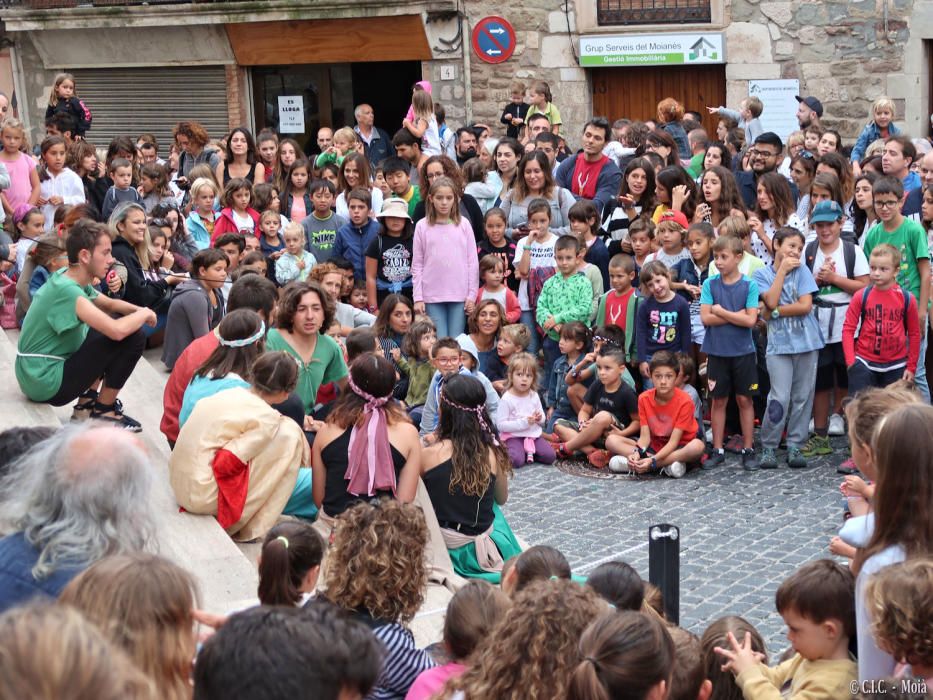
pixel 444 266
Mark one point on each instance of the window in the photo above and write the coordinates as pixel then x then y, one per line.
pixel 613 12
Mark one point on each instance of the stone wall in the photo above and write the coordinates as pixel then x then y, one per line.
pixel 842 52
pixel 543 51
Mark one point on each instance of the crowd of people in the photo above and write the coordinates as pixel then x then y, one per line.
pixel 364 342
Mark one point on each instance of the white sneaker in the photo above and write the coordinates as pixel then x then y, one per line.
pixel 837 425
pixel 618 465
pixel 709 435
pixel 675 470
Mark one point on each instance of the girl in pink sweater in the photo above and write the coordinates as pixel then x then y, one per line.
pixel 444 268
pixel 520 414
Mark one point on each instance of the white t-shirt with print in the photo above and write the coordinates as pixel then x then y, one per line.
pixel 542 255
pixel 835 295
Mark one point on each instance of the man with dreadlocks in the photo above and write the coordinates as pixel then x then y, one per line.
pixel 467 480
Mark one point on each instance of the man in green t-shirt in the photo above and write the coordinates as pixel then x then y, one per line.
pixel 72 346
pixel 911 240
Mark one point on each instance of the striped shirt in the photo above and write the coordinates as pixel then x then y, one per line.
pixel 402 664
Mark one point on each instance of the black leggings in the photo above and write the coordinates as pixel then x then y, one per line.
pixel 99 356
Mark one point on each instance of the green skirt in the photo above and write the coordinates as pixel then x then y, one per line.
pixel 464 558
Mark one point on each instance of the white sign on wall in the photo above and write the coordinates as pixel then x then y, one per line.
pixel 291 114
pixel 779 99
pixel 651 49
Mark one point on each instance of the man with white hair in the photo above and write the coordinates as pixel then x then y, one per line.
pixel 76 497
pixel 376 142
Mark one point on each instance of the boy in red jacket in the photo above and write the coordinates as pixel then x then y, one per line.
pixel 881 333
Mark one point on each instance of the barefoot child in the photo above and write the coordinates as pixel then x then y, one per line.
pixel 729 309
pixel 610 407
pixel 667 440
pixel 521 415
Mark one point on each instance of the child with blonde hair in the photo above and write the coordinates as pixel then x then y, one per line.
pixel 145 605
pixel 201 220
pixel 880 126
pixel 297 262
pixel 345 142
pixel 521 415
pixel 901 598
pixel 423 125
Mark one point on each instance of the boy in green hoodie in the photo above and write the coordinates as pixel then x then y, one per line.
pixel 566 296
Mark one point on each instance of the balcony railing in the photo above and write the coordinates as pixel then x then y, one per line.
pixel 620 12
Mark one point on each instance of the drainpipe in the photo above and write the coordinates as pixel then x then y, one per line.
pixel 467 75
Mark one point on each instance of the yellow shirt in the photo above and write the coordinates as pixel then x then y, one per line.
pixel 809 680
pixel 551 112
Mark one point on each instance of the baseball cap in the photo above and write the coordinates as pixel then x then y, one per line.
pixel 827 211
pixel 812 103
pixel 395 207
pixel 674 215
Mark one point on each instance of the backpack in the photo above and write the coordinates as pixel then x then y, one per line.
pixel 861 316
pixel 848 253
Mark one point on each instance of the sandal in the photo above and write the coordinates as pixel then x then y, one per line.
pixel 113 414
pixel 82 409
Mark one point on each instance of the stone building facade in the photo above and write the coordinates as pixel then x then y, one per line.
pixel 845 53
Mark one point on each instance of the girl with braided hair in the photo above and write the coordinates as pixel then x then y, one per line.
pixel 467 480
pixel 367 448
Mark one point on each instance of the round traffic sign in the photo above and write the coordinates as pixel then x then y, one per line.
pixel 493 39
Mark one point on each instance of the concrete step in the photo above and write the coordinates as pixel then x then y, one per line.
pixel 17 409
pixel 196 542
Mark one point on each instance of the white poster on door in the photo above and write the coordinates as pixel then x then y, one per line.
pixel 291 114
pixel 780 100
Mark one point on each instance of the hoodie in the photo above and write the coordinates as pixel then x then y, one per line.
pixel 429 414
pixel 225 223
pixel 189 317
pixel 353 241
pixel 139 290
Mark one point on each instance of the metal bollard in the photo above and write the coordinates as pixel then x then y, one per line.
pixel 664 566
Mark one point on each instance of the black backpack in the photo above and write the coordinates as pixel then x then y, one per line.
pixel 848 253
pixel 861 316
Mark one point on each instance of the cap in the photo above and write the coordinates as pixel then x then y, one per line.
pixel 467 345
pixel 395 207
pixel 826 211
pixel 812 103
pixel 674 215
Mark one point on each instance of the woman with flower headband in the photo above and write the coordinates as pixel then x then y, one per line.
pixel 239 459
pixel 467 480
pixel 367 448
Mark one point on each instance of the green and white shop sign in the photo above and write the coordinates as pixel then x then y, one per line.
pixel 651 49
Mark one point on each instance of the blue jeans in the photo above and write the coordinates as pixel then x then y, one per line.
pixel 920 379
pixel 448 317
pixel 528 319
pixel 551 355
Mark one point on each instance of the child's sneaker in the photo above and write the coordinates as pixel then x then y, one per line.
pixel 716 459
pixel 768 459
pixel 599 458
pixel 750 460
pixel 560 449
pixel 847 468
pixel 816 446
pixel 837 425
pixel 675 470
pixel 529 457
pixel 795 460
pixel 619 465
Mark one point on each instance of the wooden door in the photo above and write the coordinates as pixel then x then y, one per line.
pixel 634 93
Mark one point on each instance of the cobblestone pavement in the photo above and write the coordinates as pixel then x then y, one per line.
pixel 742 532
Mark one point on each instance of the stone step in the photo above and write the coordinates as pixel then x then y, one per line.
pixel 17 409
pixel 196 542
